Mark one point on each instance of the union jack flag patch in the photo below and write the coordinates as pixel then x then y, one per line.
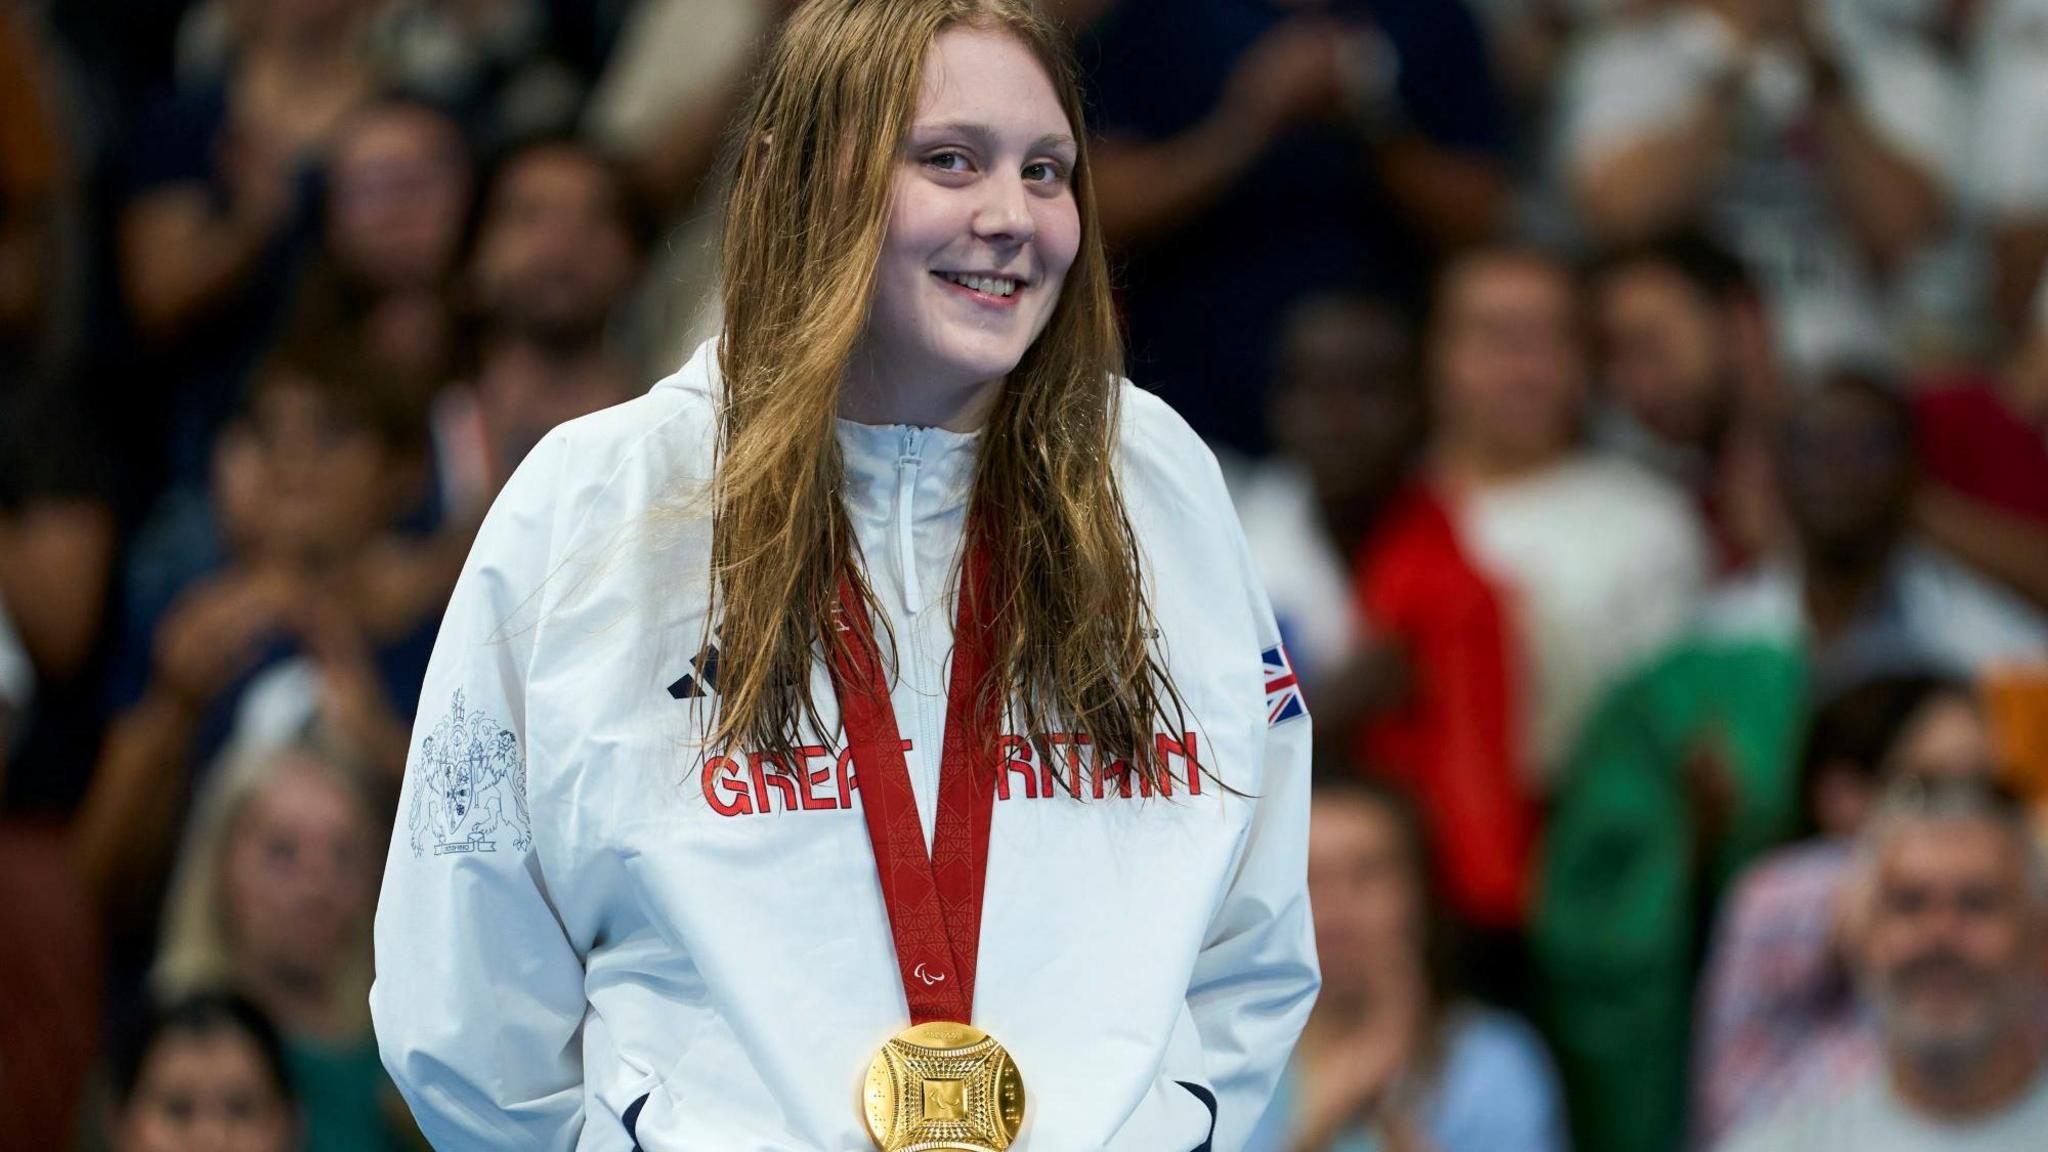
pixel 1283 689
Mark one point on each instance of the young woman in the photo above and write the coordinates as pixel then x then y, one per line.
pixel 892 664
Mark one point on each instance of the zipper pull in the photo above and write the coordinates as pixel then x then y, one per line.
pixel 906 545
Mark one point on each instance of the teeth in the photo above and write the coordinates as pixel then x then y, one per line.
pixel 992 285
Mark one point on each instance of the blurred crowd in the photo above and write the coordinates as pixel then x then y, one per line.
pixel 1638 410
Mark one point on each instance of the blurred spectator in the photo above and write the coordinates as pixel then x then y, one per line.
pixel 1685 774
pixel 1346 413
pixel 57 528
pixel 2010 169
pixel 38 204
pixel 1947 935
pixel 398 197
pixel 1820 137
pixel 204 1074
pixel 17 683
pixel 1862 594
pixel 49 988
pixel 558 243
pixel 663 105
pixel 1688 381
pixel 57 548
pixel 217 211
pixel 491 61
pixel 1393 1057
pixel 38 199
pixel 1531 38
pixel 1407 655
pixel 1252 154
pixel 291 556
pixel 1777 1013
pixel 1984 444
pixel 1682 776
pixel 273 893
pixel 1601 562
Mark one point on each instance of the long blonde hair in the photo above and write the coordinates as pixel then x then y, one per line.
pixel 807 217
pixel 197 950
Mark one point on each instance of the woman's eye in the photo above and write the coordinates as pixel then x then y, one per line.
pixel 947 161
pixel 1045 172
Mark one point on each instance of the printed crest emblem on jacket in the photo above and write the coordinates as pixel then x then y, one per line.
pixel 471 787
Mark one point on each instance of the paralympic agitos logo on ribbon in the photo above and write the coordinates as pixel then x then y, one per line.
pixel 824 779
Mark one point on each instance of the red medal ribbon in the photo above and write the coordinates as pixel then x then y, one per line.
pixel 934 902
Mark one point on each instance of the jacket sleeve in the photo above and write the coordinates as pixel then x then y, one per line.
pixel 1256 976
pixel 478 1000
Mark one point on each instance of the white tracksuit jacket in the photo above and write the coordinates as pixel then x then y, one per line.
pixel 591 936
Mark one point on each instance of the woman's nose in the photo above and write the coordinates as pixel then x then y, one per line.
pixel 1005 212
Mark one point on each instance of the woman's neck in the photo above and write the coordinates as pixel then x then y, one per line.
pixel 871 394
pixel 302 1003
pixel 1462 467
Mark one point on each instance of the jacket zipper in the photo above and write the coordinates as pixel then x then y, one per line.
pixel 908 462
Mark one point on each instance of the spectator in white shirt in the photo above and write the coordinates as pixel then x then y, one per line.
pixel 1948 943
pixel 1601 561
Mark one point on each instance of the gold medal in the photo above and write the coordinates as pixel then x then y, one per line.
pixel 943 1087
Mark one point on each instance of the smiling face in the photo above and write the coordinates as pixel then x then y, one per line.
pixel 982 229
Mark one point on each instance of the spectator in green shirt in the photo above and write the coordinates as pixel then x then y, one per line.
pixel 273 895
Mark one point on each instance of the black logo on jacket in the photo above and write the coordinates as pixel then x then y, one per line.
pixel 703 681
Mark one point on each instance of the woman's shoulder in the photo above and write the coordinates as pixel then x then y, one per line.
pixel 633 454
pixel 675 421
pixel 592 479
pixel 1163 458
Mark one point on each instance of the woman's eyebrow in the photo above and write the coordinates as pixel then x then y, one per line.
pixel 983 133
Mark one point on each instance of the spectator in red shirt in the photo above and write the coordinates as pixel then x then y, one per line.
pixel 1983 445
pixel 1428 689
pixel 1423 679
